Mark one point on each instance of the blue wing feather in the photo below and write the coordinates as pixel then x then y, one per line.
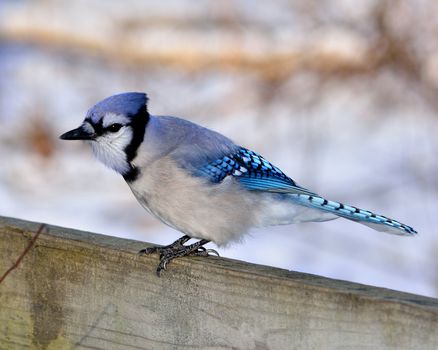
pixel 253 172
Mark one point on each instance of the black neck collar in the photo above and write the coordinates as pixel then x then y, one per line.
pixel 138 124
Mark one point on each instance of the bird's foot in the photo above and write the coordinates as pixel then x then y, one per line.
pixel 176 250
pixel 163 250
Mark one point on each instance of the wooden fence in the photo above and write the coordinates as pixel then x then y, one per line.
pixel 80 290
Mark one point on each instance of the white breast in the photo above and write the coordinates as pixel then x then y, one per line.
pixel 218 213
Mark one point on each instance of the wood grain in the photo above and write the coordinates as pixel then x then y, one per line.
pixel 78 290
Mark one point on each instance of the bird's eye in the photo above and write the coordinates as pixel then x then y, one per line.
pixel 114 127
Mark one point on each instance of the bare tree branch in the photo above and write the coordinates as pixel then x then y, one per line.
pixel 20 258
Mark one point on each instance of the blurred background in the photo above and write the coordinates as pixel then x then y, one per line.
pixel 341 95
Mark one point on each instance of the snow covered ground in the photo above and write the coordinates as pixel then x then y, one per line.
pixel 368 139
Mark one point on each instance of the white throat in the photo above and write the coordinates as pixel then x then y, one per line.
pixel 110 150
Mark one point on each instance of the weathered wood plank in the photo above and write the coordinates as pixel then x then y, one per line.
pixel 78 290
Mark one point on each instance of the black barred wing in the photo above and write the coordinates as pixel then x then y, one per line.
pixel 253 171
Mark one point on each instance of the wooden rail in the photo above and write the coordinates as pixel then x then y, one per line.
pixel 79 290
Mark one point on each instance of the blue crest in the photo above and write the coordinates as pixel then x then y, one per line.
pixel 128 104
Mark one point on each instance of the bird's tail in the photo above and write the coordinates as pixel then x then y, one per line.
pixel 365 217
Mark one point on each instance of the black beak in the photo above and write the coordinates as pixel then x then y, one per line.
pixel 78 134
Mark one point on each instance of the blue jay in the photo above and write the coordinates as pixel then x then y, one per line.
pixel 199 181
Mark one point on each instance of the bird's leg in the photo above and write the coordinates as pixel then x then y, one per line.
pixel 178 249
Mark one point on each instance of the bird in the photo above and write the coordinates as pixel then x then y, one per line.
pixel 201 183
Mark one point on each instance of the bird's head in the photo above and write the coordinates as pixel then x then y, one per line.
pixel 115 128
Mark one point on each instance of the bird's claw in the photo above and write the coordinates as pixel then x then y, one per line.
pixel 203 252
pixel 162 265
pixel 213 252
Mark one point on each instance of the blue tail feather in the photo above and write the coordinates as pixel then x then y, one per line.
pixel 366 217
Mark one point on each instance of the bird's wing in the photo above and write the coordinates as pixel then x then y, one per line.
pixel 252 171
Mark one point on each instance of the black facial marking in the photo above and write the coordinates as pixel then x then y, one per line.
pixel 132 174
pixel 98 127
pixel 138 125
